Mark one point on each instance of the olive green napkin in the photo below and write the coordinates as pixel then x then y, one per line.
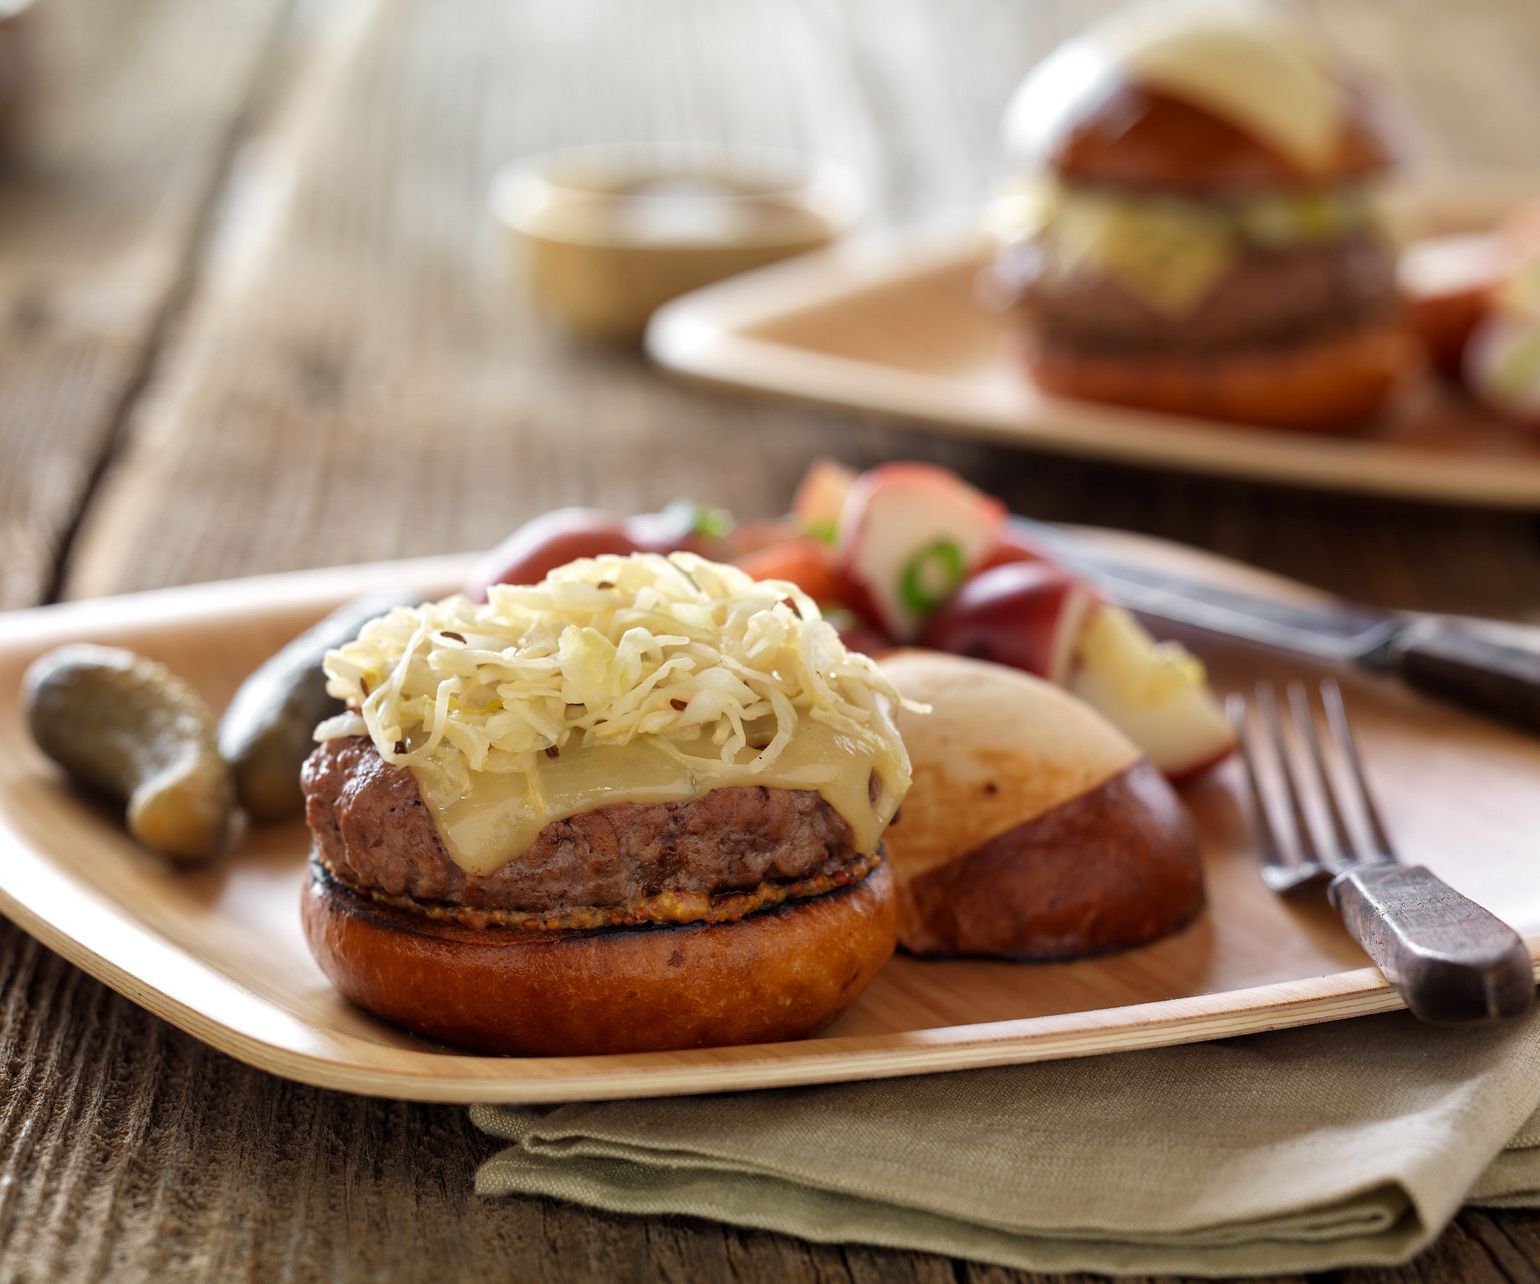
pixel 1340 1144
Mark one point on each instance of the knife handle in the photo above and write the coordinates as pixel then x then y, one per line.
pixel 1451 960
pixel 1485 668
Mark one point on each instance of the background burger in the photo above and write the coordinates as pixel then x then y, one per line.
pixel 635 806
pixel 1198 231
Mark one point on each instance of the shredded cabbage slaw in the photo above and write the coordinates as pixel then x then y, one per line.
pixel 715 667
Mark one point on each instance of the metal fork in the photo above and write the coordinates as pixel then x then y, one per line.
pixel 1452 961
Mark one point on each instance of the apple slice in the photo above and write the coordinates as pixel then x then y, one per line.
pixel 1448 283
pixel 1013 546
pixel 909 535
pixel 1029 615
pixel 1156 693
pixel 1502 363
pixel 546 542
pixel 820 499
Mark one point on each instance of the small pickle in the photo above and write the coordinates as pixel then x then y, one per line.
pixel 131 728
pixel 268 731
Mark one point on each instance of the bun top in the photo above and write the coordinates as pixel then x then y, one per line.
pixel 998 748
pixel 1194 96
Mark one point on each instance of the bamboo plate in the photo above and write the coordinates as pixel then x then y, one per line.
pixel 219 952
pixel 893 326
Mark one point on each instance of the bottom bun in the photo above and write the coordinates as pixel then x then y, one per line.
pixel 1332 383
pixel 777 974
pixel 1116 867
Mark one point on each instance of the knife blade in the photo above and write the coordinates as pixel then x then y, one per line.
pixel 1490 666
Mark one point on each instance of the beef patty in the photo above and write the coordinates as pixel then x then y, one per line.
pixel 1264 297
pixel 374 832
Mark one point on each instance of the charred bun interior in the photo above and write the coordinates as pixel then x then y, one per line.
pixel 637 806
pixel 1196 228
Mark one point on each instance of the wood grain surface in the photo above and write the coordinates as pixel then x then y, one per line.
pixel 256 320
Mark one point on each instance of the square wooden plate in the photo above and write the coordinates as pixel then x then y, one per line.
pixel 218 952
pixel 894 326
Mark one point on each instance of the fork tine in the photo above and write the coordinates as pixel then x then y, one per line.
pixel 1309 733
pixel 1267 703
pixel 1273 862
pixel 1342 731
pixel 1283 873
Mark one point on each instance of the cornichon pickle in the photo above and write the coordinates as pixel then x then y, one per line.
pixel 131 728
pixel 266 733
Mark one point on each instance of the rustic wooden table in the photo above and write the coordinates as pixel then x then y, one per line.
pixel 253 320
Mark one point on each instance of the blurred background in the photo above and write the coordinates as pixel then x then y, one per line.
pixel 257 315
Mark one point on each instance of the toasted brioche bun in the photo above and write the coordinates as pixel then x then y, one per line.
pixel 1143 138
pixel 1113 868
pixel 1199 97
pixel 1033 829
pixel 772 975
pixel 1331 383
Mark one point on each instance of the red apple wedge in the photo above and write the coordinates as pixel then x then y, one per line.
pixel 820 499
pixel 564 534
pixel 546 542
pixel 909 535
pixel 1502 363
pixel 1156 693
pixel 1448 283
pixel 1029 615
pixel 1013 546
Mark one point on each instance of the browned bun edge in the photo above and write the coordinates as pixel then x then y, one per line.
pixel 1143 138
pixel 1116 867
pixel 777 974
pixel 1334 382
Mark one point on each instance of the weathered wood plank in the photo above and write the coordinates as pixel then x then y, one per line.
pixel 1510 1240
pixel 96 219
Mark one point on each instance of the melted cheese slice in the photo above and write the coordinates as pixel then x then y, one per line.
pixel 1168 251
pixel 1239 61
pixel 500 815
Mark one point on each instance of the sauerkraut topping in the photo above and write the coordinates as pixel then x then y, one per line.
pixel 642 678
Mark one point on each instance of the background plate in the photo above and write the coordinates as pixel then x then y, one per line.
pixel 893 326
pixel 218 952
